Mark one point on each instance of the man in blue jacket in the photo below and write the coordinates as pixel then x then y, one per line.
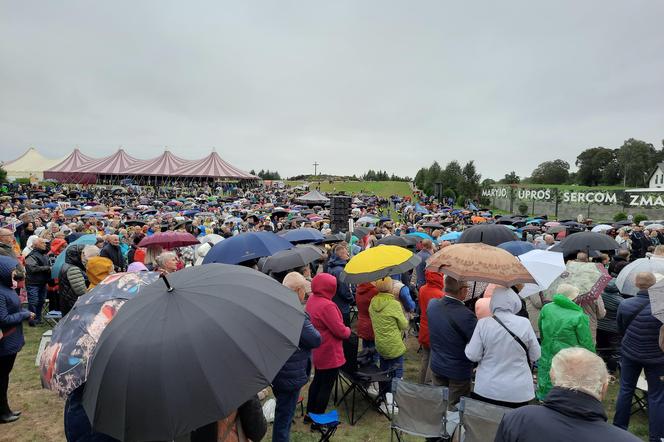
pixel 344 296
pixel 640 352
pixel 451 325
pixel 290 379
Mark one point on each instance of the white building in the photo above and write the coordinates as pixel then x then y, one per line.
pixel 656 180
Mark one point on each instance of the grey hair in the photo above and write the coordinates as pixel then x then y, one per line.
pixel 90 251
pixel 578 369
pixel 164 256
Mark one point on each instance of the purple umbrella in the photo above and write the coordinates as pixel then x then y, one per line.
pixel 169 240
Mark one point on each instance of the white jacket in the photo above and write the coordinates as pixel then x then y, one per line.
pixel 503 373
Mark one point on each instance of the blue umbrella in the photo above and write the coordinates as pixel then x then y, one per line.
pixel 51 206
pixel 452 236
pixel 72 212
pixel 421 235
pixel 303 235
pixel 517 248
pixel 87 240
pixel 94 215
pixel 245 247
pixel 191 212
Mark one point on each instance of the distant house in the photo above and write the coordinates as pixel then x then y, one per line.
pixel 656 180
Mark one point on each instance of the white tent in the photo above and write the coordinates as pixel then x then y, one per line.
pixel 31 164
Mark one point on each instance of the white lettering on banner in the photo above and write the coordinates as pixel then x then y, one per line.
pixel 498 192
pixel 642 200
pixel 576 197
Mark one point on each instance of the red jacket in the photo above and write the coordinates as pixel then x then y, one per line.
pixel 431 290
pixel 363 296
pixel 326 318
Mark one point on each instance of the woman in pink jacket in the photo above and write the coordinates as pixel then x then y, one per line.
pixel 327 319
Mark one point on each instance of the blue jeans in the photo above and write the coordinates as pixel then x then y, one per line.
pixel 283 414
pixel 36 297
pixel 395 364
pixel 629 374
pixel 77 425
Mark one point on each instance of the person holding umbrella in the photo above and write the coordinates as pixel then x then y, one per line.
pixel 641 351
pixel 344 295
pixel 329 356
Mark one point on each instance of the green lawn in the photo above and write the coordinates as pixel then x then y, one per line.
pixel 42 410
pixel 378 188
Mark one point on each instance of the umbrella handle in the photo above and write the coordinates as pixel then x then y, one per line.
pixel 168 284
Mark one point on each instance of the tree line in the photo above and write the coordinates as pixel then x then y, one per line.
pixel 453 181
pixel 628 165
pixel 266 174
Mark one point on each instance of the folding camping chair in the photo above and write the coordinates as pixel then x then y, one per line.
pixel 354 379
pixel 640 401
pixel 50 317
pixel 326 424
pixel 422 411
pixel 478 421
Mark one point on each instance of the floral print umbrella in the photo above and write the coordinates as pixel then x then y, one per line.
pixel 64 362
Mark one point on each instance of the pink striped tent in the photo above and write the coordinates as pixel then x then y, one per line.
pixel 79 168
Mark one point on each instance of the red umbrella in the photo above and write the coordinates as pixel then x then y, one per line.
pixel 169 240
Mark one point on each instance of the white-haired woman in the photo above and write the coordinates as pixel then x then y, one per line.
pixel 167 262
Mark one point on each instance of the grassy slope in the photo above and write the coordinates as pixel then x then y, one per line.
pixel 42 410
pixel 572 187
pixel 379 188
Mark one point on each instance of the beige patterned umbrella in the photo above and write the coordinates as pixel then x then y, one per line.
pixel 479 262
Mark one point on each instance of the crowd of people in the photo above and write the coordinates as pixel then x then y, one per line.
pixel 481 341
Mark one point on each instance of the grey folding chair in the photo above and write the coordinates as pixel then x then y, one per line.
pixel 478 421
pixel 422 410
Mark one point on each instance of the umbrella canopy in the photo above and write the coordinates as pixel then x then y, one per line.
pixel 361 232
pixel 490 234
pixel 625 280
pixel 211 238
pixel 656 294
pixel 378 262
pixel 64 362
pixel 420 235
pixel 477 219
pixel 169 240
pixel 401 241
pixel 303 235
pixel 479 262
pixel 245 247
pixel 291 259
pixel 87 240
pixel 556 229
pixel 517 248
pixel 590 278
pixel 189 351
pixel 334 238
pixel 552 224
pixel 452 236
pixel 654 226
pixel 531 228
pixel 433 225
pixel 368 220
pixel 599 228
pixel 544 266
pixel 585 241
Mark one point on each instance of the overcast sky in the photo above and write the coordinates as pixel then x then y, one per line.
pixel 351 84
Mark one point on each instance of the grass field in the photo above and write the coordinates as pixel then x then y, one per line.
pixel 378 188
pixel 571 187
pixel 43 410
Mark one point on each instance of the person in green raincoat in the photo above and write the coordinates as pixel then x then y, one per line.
pixel 562 324
pixel 388 322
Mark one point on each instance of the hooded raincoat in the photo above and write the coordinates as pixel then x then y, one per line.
pixel 364 294
pixel 388 322
pixel 562 324
pixel 11 314
pixel 97 269
pixel 503 373
pixel 72 278
pixel 432 289
pixel 326 318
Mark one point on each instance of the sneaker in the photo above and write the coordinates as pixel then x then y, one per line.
pixel 8 418
pixel 387 409
pixel 372 391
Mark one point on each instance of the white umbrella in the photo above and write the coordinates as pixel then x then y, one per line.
pixel 656 293
pixel 212 238
pixel 654 226
pixel 544 266
pixel 601 228
pixel 625 279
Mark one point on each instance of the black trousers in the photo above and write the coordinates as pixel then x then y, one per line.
pixel 321 389
pixel 6 365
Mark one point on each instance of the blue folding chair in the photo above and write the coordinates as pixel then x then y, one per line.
pixel 326 424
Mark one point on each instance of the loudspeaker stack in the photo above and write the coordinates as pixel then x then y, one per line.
pixel 339 213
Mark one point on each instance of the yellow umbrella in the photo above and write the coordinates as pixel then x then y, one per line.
pixel 378 262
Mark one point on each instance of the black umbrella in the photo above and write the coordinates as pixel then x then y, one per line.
pixel 575 225
pixel 491 234
pixel 433 225
pixel 334 238
pixel 401 241
pixel 585 241
pixel 361 232
pixel 292 258
pixel 189 351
